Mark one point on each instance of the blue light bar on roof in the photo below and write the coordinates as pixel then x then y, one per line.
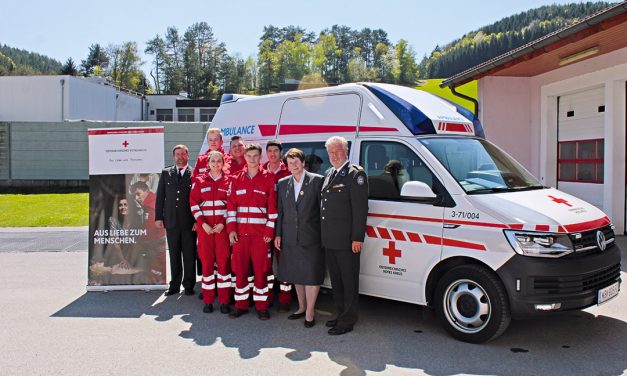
pixel 414 119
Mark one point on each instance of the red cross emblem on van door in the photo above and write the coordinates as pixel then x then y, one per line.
pixel 392 253
pixel 560 201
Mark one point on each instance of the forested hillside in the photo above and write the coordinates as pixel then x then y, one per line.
pixel 502 36
pixel 16 62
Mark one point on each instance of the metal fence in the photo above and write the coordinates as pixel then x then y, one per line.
pixel 49 154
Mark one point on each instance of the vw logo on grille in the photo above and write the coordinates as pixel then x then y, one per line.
pixel 601 240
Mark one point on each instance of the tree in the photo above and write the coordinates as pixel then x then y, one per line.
pixel 69 67
pixel 407 67
pixel 97 57
pixel 156 48
pixel 174 81
pixel 125 67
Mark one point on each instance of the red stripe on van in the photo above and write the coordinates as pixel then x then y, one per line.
pixel 453 243
pixel 370 232
pixel 384 233
pixel 516 226
pixel 287 129
pixel 267 129
pixel 432 239
pixel 414 237
pixel 543 228
pixel 590 225
pixel 398 235
pixel 437 220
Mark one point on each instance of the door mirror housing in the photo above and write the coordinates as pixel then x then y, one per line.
pixel 418 191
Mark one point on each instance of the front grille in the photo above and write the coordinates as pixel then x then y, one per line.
pixel 587 243
pixel 568 285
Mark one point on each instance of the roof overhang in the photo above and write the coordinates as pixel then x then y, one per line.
pixel 593 36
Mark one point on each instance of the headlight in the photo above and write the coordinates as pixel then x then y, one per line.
pixel 539 244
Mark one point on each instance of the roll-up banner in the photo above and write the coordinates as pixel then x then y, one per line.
pixel 126 250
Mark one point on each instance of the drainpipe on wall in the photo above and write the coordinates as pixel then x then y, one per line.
pixel 470 99
pixel 62 99
pixel 115 109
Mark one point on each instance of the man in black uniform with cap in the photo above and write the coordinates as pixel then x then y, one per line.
pixel 343 212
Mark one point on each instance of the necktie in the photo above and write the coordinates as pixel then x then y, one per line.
pixel 333 175
pixel 180 174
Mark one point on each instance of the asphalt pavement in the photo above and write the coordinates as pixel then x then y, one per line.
pixel 49 324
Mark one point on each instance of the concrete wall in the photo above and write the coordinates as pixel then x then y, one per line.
pixel 31 98
pixel 41 152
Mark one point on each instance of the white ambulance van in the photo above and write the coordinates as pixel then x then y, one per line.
pixel 454 222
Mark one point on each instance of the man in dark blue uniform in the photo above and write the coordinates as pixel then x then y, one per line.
pixel 343 215
pixel 173 212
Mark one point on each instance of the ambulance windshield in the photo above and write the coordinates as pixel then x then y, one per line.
pixel 479 166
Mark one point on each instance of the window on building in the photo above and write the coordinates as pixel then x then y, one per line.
pixel 581 161
pixel 164 114
pixel 186 114
pixel 207 114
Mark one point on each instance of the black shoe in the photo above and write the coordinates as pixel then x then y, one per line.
pixel 296 316
pixel 309 324
pixel 335 331
pixel 171 292
pixel 283 308
pixel 263 315
pixel 331 323
pixel 189 292
pixel 224 308
pixel 208 308
pixel 237 313
pixel 200 295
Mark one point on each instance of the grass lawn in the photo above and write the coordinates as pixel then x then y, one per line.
pixel 433 87
pixel 33 210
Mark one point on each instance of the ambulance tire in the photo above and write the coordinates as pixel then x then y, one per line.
pixel 471 304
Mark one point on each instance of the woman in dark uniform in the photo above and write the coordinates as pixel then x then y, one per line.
pixel 298 234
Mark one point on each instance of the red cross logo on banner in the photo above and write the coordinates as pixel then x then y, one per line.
pixel 125 144
pixel 392 253
pixel 560 201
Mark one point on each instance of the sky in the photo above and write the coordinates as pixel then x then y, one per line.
pixel 62 29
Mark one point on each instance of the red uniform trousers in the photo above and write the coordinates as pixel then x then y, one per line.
pixel 214 253
pixel 251 248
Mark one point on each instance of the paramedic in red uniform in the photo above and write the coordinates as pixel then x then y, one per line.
pixel 235 159
pixel 214 142
pixel 250 222
pixel 208 204
pixel 276 166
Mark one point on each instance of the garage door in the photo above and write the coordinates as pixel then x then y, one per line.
pixel 581 144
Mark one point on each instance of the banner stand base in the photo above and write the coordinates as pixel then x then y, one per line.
pixel 145 288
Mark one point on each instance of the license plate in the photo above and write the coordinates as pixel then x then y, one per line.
pixel 607 293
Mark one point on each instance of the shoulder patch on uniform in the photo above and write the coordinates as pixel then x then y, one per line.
pixel 358 167
pixel 361 180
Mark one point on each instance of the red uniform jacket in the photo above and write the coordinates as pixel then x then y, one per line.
pixel 208 199
pixel 252 204
pixel 203 160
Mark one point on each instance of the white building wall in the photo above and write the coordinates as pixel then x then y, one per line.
pixel 537 148
pixel 39 99
pixel 32 98
pixel 504 111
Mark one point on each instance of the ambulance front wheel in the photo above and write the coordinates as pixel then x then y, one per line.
pixel 471 304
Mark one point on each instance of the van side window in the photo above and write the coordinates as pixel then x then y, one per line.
pixel 389 166
pixel 316 156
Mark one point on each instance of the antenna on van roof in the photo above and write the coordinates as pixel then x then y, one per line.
pixel 227 98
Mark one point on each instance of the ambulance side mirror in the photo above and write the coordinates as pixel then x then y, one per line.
pixel 418 191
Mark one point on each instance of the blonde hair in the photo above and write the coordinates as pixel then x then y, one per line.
pixel 337 140
pixel 214 153
pixel 214 131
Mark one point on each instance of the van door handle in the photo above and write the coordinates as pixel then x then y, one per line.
pixel 450 226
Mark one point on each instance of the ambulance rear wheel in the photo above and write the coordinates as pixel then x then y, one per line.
pixel 471 304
